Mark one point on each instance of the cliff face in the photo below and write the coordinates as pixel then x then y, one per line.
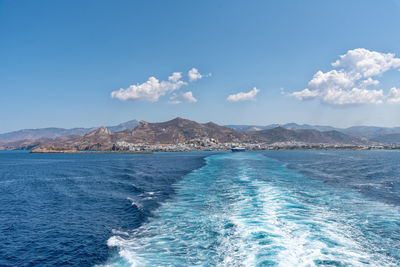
pixel 98 139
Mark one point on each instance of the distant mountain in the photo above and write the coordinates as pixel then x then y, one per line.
pixel 245 128
pixel 98 139
pixel 129 125
pixel 370 132
pixel 170 132
pixel 393 138
pixel 291 126
pixel 181 131
pixel 178 130
pixel 281 134
pixel 34 134
pixel 52 133
pixel 295 126
pixel 366 132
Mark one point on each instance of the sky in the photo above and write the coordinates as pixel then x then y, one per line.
pixel 70 63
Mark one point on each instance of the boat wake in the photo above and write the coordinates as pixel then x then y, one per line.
pixel 244 209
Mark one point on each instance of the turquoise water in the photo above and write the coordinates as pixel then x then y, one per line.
pixel 248 209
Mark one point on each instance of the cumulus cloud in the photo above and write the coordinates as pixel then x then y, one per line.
pixel 183 97
pixel 347 85
pixel 368 82
pixel 242 96
pixel 176 76
pixel 188 96
pixel 305 94
pixel 367 63
pixel 194 75
pixel 151 90
pixel 353 97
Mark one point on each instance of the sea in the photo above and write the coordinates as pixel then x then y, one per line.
pixel 255 208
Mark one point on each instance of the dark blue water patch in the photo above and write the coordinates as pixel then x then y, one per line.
pixel 376 174
pixel 60 209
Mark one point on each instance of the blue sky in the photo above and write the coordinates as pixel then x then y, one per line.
pixel 61 60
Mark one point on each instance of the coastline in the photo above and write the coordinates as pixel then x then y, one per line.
pixel 88 152
pixel 270 148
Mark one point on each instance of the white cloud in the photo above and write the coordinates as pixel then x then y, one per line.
pixel 348 84
pixel 306 94
pixel 332 79
pixel 368 82
pixel 176 76
pixel 188 96
pixel 355 96
pixel 194 75
pixel 394 96
pixel 367 63
pixel 151 90
pixel 242 96
pixel 183 97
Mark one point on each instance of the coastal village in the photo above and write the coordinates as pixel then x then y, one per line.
pixel 211 145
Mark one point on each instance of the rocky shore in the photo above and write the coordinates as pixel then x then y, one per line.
pixel 54 150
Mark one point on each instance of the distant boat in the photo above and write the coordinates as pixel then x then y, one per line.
pixel 238 148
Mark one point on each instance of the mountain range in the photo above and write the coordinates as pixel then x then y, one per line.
pixel 180 130
pixel 174 131
pixel 52 133
pixel 281 134
pixel 183 131
pixel 371 133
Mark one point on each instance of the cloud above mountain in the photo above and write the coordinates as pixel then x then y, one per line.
pixel 243 96
pixel 183 97
pixel 153 89
pixel 350 82
pixel 194 75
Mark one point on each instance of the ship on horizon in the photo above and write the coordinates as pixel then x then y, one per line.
pixel 238 148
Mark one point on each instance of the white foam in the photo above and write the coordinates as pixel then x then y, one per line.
pixel 115 241
pixel 119 232
pixel 135 203
pixel 268 222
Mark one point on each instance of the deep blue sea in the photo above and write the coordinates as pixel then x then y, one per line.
pixel 271 208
